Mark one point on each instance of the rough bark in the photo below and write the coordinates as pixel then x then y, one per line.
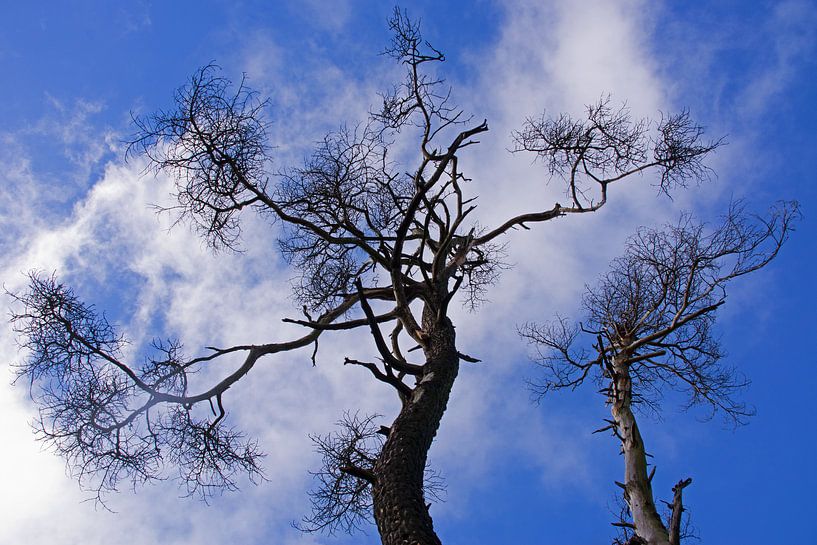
pixel 400 509
pixel 637 487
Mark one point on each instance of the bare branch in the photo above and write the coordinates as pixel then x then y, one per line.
pixel 214 144
pixel 677 510
pixel 650 321
pixel 362 226
pixel 113 421
pixel 342 497
pixel 658 302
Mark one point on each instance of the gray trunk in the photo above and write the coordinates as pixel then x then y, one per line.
pixel 638 489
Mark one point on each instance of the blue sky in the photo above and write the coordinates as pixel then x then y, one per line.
pixel 516 471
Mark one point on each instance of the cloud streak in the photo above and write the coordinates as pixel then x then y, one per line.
pixel 112 238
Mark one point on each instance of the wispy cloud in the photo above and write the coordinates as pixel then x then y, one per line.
pixel 549 56
pixel 48 165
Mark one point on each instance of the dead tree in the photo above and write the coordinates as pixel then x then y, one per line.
pixel 649 328
pixel 378 244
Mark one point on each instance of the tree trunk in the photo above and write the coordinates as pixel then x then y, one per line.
pixel 399 504
pixel 637 486
pixel 677 511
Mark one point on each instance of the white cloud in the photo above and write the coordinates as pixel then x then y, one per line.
pixel 205 299
pixel 791 37
pixel 332 19
pixel 551 56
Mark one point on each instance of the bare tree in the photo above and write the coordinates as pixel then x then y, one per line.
pixel 649 329
pixel 377 244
